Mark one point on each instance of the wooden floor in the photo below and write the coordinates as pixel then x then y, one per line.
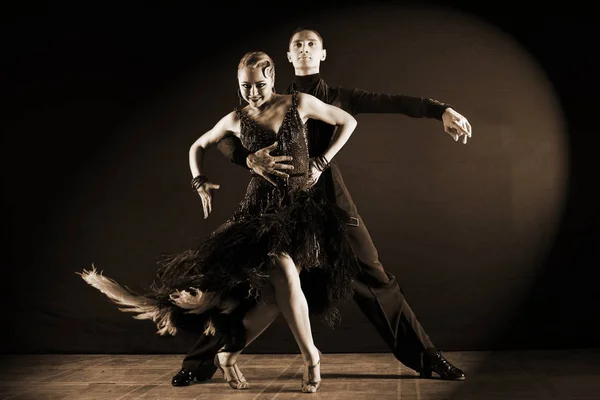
pixel 527 375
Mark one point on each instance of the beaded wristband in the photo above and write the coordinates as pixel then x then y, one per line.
pixel 322 163
pixel 198 181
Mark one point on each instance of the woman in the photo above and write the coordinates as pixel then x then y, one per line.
pixel 282 231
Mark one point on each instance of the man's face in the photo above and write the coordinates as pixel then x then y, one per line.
pixel 306 51
pixel 254 86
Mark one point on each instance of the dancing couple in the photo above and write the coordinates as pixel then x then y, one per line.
pixel 296 243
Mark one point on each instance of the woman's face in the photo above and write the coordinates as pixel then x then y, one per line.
pixel 255 87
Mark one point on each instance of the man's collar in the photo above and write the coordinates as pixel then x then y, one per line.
pixel 307 81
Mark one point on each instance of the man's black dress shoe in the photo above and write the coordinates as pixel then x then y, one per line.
pixel 184 377
pixel 438 364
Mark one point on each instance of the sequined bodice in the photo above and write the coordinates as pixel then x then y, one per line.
pixel 291 138
pixel 291 141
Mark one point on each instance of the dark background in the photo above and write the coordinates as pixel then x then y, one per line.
pixel 495 243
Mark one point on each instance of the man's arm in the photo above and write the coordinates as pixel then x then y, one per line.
pixel 232 148
pixel 261 162
pixel 357 101
pixel 360 101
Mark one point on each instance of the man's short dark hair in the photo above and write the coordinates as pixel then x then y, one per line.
pixel 301 29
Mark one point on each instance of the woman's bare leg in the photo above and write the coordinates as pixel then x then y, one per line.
pixel 290 300
pixel 256 321
pixel 292 303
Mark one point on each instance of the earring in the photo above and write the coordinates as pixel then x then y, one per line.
pixel 239 95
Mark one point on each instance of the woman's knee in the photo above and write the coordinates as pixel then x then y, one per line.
pixel 284 269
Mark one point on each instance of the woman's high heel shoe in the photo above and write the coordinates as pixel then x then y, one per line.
pixel 309 385
pixel 232 375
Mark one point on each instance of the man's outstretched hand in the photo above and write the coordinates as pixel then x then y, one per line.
pixel 265 165
pixel 456 125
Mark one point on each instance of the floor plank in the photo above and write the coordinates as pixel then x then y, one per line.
pixel 511 375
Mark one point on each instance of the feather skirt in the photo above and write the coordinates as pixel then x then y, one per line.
pixel 233 265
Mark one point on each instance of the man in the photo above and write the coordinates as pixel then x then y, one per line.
pixel 377 293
